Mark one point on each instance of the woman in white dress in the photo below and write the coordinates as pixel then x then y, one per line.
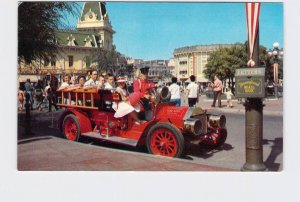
pixel 124 107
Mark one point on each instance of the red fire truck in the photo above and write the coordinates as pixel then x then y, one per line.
pixel 89 112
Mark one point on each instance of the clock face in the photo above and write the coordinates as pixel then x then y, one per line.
pixel 90 16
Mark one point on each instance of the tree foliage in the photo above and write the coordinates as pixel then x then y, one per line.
pixel 37 22
pixel 225 61
pixel 106 60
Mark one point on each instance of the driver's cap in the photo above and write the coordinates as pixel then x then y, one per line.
pixel 144 70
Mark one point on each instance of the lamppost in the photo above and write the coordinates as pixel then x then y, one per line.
pixel 277 54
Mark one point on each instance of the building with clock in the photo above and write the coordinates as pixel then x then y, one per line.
pixel 93 30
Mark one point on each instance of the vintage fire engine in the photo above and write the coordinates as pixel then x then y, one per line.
pixel 167 127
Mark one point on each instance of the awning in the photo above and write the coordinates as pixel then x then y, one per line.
pixel 33 78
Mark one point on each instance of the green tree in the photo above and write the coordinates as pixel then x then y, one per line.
pixel 106 60
pixel 37 22
pixel 225 61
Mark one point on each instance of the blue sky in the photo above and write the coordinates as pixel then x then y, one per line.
pixel 147 30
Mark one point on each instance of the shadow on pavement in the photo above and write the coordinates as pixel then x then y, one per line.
pixel 276 149
pixel 33 140
pixel 203 151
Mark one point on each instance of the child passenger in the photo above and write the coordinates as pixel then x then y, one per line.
pixel 124 107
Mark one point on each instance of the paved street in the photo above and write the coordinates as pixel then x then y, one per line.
pixel 233 153
pixel 91 154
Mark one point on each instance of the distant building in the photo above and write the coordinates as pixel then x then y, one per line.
pixel 93 30
pixel 159 71
pixel 171 67
pixel 191 60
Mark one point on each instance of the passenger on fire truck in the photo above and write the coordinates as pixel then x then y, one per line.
pixel 124 107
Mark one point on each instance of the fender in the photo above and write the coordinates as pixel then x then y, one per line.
pixel 84 120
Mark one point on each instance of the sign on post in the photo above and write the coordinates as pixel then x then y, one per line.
pixel 250 82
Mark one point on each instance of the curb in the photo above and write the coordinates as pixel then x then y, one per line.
pixel 242 111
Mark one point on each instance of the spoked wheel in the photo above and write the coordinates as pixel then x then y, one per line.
pixel 71 128
pixel 165 140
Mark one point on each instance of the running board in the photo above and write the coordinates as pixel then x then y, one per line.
pixel 115 139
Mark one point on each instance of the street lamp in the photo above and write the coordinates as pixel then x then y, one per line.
pixel 277 55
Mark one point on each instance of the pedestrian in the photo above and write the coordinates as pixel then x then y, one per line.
pixel 21 97
pixel 39 95
pixel 192 91
pixel 29 92
pixel 51 96
pixel 174 89
pixel 217 88
pixel 229 95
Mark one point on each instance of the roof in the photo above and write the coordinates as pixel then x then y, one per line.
pixel 80 38
pixel 96 7
pixel 201 48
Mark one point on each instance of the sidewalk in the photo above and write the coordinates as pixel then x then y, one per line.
pixel 273 107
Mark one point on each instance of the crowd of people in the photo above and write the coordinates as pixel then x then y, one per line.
pixel 129 104
pixel 36 94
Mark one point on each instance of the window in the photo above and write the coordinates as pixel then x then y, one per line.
pixel 46 62
pixel 88 61
pixel 71 60
pixel 53 61
pixel 183 62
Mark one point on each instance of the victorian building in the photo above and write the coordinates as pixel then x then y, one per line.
pixel 93 30
pixel 191 60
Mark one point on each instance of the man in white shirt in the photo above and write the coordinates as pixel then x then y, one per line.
pixel 93 80
pixel 192 91
pixel 174 89
pixel 65 83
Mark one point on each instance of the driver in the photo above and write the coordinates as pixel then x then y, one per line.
pixel 143 86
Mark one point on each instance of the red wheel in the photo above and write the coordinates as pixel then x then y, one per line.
pixel 71 127
pixel 165 140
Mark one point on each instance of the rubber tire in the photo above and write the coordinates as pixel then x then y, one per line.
pixel 72 116
pixel 175 131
